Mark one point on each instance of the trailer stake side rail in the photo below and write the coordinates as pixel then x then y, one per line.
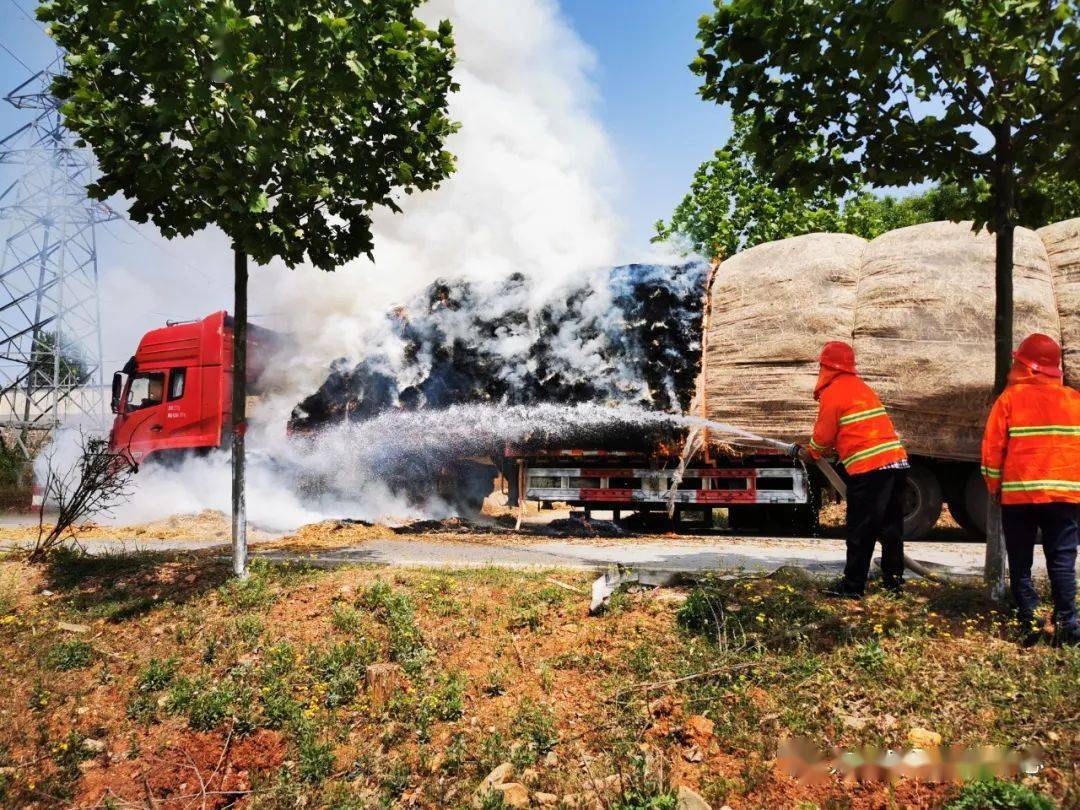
pixel 701 486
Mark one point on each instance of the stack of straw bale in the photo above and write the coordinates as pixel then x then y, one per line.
pixel 916 303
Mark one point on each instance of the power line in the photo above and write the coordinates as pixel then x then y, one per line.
pixel 17 59
pixel 26 14
pixel 161 247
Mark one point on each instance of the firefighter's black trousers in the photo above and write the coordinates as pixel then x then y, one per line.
pixel 875 512
pixel 1057 521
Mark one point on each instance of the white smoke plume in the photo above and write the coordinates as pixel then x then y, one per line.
pixel 530 195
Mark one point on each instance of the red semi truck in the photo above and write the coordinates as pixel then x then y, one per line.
pixel 173 398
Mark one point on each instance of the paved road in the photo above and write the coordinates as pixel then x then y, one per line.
pixel 822 556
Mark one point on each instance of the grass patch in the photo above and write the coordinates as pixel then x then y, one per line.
pixel 67 655
pixel 997 794
pixel 396 610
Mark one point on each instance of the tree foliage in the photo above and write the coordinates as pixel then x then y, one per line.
pixel 44 361
pixel 733 205
pixel 284 122
pixel 972 93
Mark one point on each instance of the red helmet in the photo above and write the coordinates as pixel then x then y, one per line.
pixel 1041 353
pixel 838 355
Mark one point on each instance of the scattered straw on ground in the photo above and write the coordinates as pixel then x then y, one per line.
pixel 209 524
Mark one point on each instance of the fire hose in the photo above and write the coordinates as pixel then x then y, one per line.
pixel 831 475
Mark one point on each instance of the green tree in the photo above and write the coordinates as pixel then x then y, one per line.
pixel 980 94
pixel 283 122
pixel 70 367
pixel 733 205
pixel 983 95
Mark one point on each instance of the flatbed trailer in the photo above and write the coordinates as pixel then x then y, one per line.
pixel 767 491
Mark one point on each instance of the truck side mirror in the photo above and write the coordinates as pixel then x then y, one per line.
pixel 117 389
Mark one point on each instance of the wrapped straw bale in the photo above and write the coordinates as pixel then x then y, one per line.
pixel 924 328
pixel 1062 241
pixel 916 303
pixel 771 309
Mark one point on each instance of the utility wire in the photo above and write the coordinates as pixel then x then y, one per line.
pixel 26 14
pixel 160 247
pixel 17 59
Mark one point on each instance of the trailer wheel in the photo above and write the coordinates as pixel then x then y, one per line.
pixel 970 510
pixel 922 501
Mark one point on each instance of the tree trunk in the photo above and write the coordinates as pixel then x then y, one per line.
pixel 239 404
pixel 1004 226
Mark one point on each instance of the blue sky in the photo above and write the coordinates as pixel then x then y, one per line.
pixel 647 100
pixel 661 130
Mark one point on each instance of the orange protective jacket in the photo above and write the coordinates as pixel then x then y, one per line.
pixel 852 419
pixel 1031 445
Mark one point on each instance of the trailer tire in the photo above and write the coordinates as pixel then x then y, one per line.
pixel 970 511
pixel 922 501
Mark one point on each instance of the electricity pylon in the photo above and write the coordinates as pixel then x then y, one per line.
pixel 50 325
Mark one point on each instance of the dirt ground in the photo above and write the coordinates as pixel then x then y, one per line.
pixel 154 680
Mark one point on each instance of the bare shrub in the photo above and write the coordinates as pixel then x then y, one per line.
pixel 95 484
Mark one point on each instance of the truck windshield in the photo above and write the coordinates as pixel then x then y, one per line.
pixel 145 390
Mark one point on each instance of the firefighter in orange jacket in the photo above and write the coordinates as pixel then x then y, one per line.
pixel 1031 463
pixel 852 420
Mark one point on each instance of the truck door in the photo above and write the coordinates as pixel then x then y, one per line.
pixel 143 413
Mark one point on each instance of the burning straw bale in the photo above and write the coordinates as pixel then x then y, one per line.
pixel 630 337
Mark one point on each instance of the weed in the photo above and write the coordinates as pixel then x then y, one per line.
pixel 315 759
pixel 280 710
pixel 142 708
pixel 278 662
pixel 345 618
pixel 156 675
pixel 210 650
pixel 67 655
pixel 67 756
pixel 493 752
pixel 639 801
pixel 249 629
pixel 496 682
pixel 450 698
pixel 997 794
pixel 9 589
pixel 535 725
pixel 641 660
pixel 641 785
pixel 525 618
pixel 766 611
pixel 208 703
pixel 69 567
pixel 870 656
pixel 252 593
pixel 396 610
pixel 396 779
pixel 39 696
pixel 455 754
pixel 342 667
pixel 717 791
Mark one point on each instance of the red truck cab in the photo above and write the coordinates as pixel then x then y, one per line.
pixel 174 396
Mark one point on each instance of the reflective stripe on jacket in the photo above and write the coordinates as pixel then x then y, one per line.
pixel 1031 445
pixel 852 419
